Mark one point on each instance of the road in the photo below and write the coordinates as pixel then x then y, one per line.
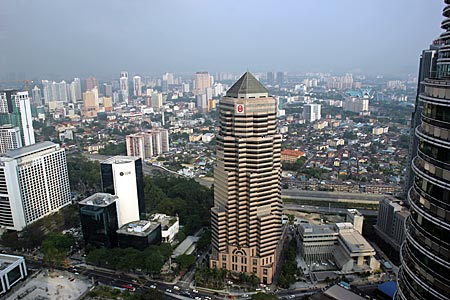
pixel 332 196
pixel 322 209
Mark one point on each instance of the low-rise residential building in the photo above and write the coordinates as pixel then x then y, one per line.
pixel 291 156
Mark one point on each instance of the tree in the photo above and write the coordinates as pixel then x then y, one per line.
pixel 185 261
pixel 56 247
pixel 112 149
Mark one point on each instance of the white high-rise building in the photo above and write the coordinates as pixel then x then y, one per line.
pixel 121 176
pixel 15 109
pixel 9 138
pixel 156 100
pixel 123 80
pixel 168 77
pixel 311 112
pixel 137 86
pixel 34 182
pixel 75 90
pixel 61 90
pixel 55 91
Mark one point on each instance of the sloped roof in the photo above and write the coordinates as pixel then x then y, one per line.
pixel 246 85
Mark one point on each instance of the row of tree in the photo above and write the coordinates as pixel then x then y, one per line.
pixel 289 269
pixel 179 196
pixel 150 260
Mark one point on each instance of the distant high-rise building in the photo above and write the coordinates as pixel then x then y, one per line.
pixel 202 102
pixel 36 96
pixel 107 90
pixel 15 109
pixel 34 183
pixel 137 86
pixel 355 104
pixel 427 68
pixel 185 88
pixel 270 78
pixel 157 100
pixel 246 216
pixel 48 91
pixel 90 83
pixel 90 103
pixel 124 86
pixel 311 112
pixel 148 144
pixel 75 90
pixel 280 78
pixel 61 91
pixel 168 77
pixel 55 91
pixel 202 82
pixel 425 254
pixel 10 138
pixel 123 176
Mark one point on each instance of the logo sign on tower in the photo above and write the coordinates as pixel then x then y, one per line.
pixel 240 109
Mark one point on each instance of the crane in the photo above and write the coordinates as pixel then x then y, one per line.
pixel 26 81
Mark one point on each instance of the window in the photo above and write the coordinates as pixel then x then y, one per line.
pixel 265 271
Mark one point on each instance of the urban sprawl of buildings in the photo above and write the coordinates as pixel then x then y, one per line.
pixel 290 158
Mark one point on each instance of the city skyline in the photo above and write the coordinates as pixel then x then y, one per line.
pixel 189 36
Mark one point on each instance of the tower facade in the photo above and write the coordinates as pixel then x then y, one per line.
pixel 246 216
pixel 15 109
pixel 425 255
pixel 122 176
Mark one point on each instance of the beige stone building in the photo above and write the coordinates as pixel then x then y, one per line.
pixel 246 216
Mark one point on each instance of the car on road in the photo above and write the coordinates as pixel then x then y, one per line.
pixel 176 288
pixel 153 286
pixel 169 290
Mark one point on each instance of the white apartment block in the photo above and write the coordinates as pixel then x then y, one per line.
pixel 34 182
pixel 312 112
pixel 355 104
pixel 148 144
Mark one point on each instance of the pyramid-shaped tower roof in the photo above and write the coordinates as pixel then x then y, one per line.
pixel 247 86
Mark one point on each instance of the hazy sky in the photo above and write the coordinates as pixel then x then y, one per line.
pixel 103 37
